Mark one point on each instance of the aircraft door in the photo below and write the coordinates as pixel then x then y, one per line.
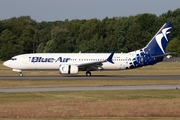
pixel 142 61
pixel 24 60
pixel 78 60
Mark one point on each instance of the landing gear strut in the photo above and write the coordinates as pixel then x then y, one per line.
pixel 20 74
pixel 88 73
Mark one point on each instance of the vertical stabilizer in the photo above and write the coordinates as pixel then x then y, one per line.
pixel 157 45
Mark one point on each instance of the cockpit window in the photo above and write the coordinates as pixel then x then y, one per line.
pixel 13 59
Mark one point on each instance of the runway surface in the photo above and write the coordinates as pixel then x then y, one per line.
pixel 92 88
pixel 94 77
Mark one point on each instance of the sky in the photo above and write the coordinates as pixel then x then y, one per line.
pixel 55 10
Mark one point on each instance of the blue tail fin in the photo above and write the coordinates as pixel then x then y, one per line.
pixel 157 45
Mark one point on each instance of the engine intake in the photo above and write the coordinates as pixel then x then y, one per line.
pixel 68 69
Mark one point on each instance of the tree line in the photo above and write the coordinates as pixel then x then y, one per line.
pixel 122 34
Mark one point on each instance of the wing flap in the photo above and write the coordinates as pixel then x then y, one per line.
pixel 92 63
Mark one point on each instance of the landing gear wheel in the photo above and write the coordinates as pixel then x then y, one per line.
pixel 88 73
pixel 20 74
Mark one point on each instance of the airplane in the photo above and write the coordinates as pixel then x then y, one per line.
pixel 72 63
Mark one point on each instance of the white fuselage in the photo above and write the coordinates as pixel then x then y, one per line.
pixel 52 61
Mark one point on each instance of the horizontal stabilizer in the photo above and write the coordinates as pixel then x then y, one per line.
pixel 163 55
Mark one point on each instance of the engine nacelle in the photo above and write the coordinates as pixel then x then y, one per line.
pixel 68 69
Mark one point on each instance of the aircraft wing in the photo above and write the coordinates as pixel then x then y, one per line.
pixel 96 65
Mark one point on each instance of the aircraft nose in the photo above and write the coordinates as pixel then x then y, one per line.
pixel 6 63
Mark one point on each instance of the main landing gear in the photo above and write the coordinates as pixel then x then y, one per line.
pixel 88 73
pixel 20 74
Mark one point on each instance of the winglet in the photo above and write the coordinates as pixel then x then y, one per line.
pixel 108 51
pixel 109 59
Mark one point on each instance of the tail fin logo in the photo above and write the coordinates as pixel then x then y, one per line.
pixel 160 36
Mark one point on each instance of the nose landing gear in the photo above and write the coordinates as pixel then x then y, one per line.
pixel 20 74
pixel 88 73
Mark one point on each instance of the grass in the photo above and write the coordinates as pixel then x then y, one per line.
pixel 118 103
pixel 162 68
pixel 87 108
pixel 98 118
pixel 89 95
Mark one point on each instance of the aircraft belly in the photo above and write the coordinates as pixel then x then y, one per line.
pixel 109 66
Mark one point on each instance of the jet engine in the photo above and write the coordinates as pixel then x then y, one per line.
pixel 68 69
